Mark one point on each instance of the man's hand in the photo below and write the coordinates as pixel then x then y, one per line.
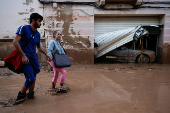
pixel 71 58
pixel 41 49
pixel 48 57
pixel 25 59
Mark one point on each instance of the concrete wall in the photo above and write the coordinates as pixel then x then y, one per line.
pixel 6 47
pixel 77 26
pixel 166 40
pixel 76 23
pixel 15 13
pixel 160 40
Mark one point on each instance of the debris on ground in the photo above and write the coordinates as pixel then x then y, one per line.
pixel 130 72
pixel 4 72
pixel 61 89
pixel 133 68
pixel 9 102
pixel 117 70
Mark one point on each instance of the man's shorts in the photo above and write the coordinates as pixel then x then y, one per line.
pixel 30 71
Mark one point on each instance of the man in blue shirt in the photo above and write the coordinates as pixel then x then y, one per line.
pixel 29 57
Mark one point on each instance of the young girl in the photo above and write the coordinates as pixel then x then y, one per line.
pixel 55 46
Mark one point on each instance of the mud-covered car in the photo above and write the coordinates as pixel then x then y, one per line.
pixel 123 54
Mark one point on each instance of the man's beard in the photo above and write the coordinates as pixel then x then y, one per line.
pixel 36 25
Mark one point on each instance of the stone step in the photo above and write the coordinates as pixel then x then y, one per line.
pixel 2 63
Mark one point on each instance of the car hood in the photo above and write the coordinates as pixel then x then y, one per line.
pixel 144 51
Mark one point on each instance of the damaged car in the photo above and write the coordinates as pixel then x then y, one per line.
pixel 134 44
pixel 123 54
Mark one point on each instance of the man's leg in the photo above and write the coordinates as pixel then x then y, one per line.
pixel 29 75
pixel 24 89
pixel 36 69
pixel 31 89
pixel 30 94
pixel 22 93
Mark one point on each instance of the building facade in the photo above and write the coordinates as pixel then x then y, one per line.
pixel 81 21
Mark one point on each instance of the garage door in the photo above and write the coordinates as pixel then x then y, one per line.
pixel 110 24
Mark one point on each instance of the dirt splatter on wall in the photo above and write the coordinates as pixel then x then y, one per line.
pixel 77 27
pixel 5 49
pixel 12 18
pixel 75 21
pixel 28 2
pixel 166 53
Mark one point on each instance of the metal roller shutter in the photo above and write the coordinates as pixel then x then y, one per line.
pixel 110 24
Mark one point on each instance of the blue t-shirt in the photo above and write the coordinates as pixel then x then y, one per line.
pixel 27 32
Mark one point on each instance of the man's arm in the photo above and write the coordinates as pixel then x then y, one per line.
pixel 41 49
pixel 18 48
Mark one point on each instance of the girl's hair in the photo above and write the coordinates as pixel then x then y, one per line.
pixel 55 33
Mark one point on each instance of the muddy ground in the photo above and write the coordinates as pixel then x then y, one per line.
pixel 102 88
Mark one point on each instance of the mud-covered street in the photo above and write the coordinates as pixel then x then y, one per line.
pixel 102 88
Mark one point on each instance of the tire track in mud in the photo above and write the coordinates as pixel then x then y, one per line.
pixel 108 89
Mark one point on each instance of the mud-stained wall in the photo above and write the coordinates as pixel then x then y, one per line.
pixel 160 41
pixel 6 47
pixel 166 40
pixel 16 13
pixel 77 26
pixel 74 0
pixel 76 23
pixel 166 53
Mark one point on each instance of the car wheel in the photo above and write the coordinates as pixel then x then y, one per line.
pixel 142 59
